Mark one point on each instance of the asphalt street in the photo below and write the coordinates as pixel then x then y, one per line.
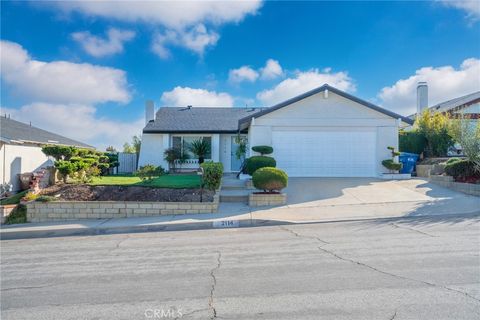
pixel 422 268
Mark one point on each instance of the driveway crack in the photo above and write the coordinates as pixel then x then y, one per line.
pixel 393 316
pixel 296 234
pixel 214 284
pixel 412 229
pixel 430 284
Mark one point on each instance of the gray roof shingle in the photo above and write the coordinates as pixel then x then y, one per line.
pixel 457 102
pixel 15 131
pixel 198 119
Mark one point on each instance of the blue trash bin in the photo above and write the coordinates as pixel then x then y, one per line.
pixel 408 160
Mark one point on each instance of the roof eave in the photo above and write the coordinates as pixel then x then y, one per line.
pixel 318 90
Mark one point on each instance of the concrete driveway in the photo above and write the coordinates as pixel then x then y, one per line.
pixel 313 199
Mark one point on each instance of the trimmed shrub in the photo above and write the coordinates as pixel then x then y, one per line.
pixel 269 179
pixel 212 174
pixel 461 169
pixel 18 215
pixel 263 150
pixel 412 142
pixel 391 165
pixel 256 162
pixel 147 172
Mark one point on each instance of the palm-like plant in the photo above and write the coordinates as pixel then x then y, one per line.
pixel 200 148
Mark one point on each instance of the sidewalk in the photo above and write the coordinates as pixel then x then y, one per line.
pixel 240 215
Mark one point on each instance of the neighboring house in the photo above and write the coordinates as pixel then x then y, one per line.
pixel 322 133
pixel 467 106
pixel 21 149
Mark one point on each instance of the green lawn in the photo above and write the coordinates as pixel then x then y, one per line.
pixel 176 181
pixel 15 199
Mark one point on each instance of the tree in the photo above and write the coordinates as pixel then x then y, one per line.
pixel 128 148
pixel 467 134
pixel 111 149
pixel 435 128
pixel 136 143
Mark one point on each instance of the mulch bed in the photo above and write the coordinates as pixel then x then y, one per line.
pixel 83 192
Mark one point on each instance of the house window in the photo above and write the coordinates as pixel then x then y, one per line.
pixel 182 143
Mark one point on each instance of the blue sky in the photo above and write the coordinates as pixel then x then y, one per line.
pixel 84 69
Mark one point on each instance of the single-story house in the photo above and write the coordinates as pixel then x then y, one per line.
pixel 324 132
pixel 21 149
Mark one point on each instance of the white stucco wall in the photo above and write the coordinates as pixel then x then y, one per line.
pixel 152 149
pixel 15 159
pixel 335 112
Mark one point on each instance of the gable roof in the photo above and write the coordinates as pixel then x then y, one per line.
pixel 197 120
pixel 246 120
pixel 12 131
pixel 457 102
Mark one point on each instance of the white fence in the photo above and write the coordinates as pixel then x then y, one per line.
pixel 128 162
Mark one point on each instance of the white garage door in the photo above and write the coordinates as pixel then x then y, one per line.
pixel 325 153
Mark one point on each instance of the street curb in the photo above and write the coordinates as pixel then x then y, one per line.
pixel 67 232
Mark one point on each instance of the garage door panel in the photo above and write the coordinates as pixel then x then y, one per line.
pixel 326 153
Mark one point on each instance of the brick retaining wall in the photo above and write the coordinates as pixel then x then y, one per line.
pixel 74 210
pixel 262 199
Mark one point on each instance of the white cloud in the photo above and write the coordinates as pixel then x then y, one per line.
pixel 171 14
pixel 60 81
pixel 303 82
pixel 472 8
pixel 197 39
pixel 77 122
pixel 444 83
pixel 244 73
pixel 272 70
pixel 184 22
pixel 184 96
pixel 99 47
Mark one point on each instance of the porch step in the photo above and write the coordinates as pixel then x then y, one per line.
pixel 234 195
pixel 233 184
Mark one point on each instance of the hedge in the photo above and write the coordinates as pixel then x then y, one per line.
pixel 412 142
pixel 263 150
pixel 461 169
pixel 269 179
pixel 212 174
pixel 256 162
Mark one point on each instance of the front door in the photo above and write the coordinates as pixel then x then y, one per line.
pixel 235 163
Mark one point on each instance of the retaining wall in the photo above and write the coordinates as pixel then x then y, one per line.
pixel 74 210
pixel 448 182
pixel 262 199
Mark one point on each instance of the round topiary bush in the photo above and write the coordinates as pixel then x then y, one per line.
pixel 269 179
pixel 392 165
pixel 263 150
pixel 256 162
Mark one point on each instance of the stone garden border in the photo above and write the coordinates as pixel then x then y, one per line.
pixel 448 182
pixel 77 210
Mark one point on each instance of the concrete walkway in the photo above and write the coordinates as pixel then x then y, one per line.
pixel 310 200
